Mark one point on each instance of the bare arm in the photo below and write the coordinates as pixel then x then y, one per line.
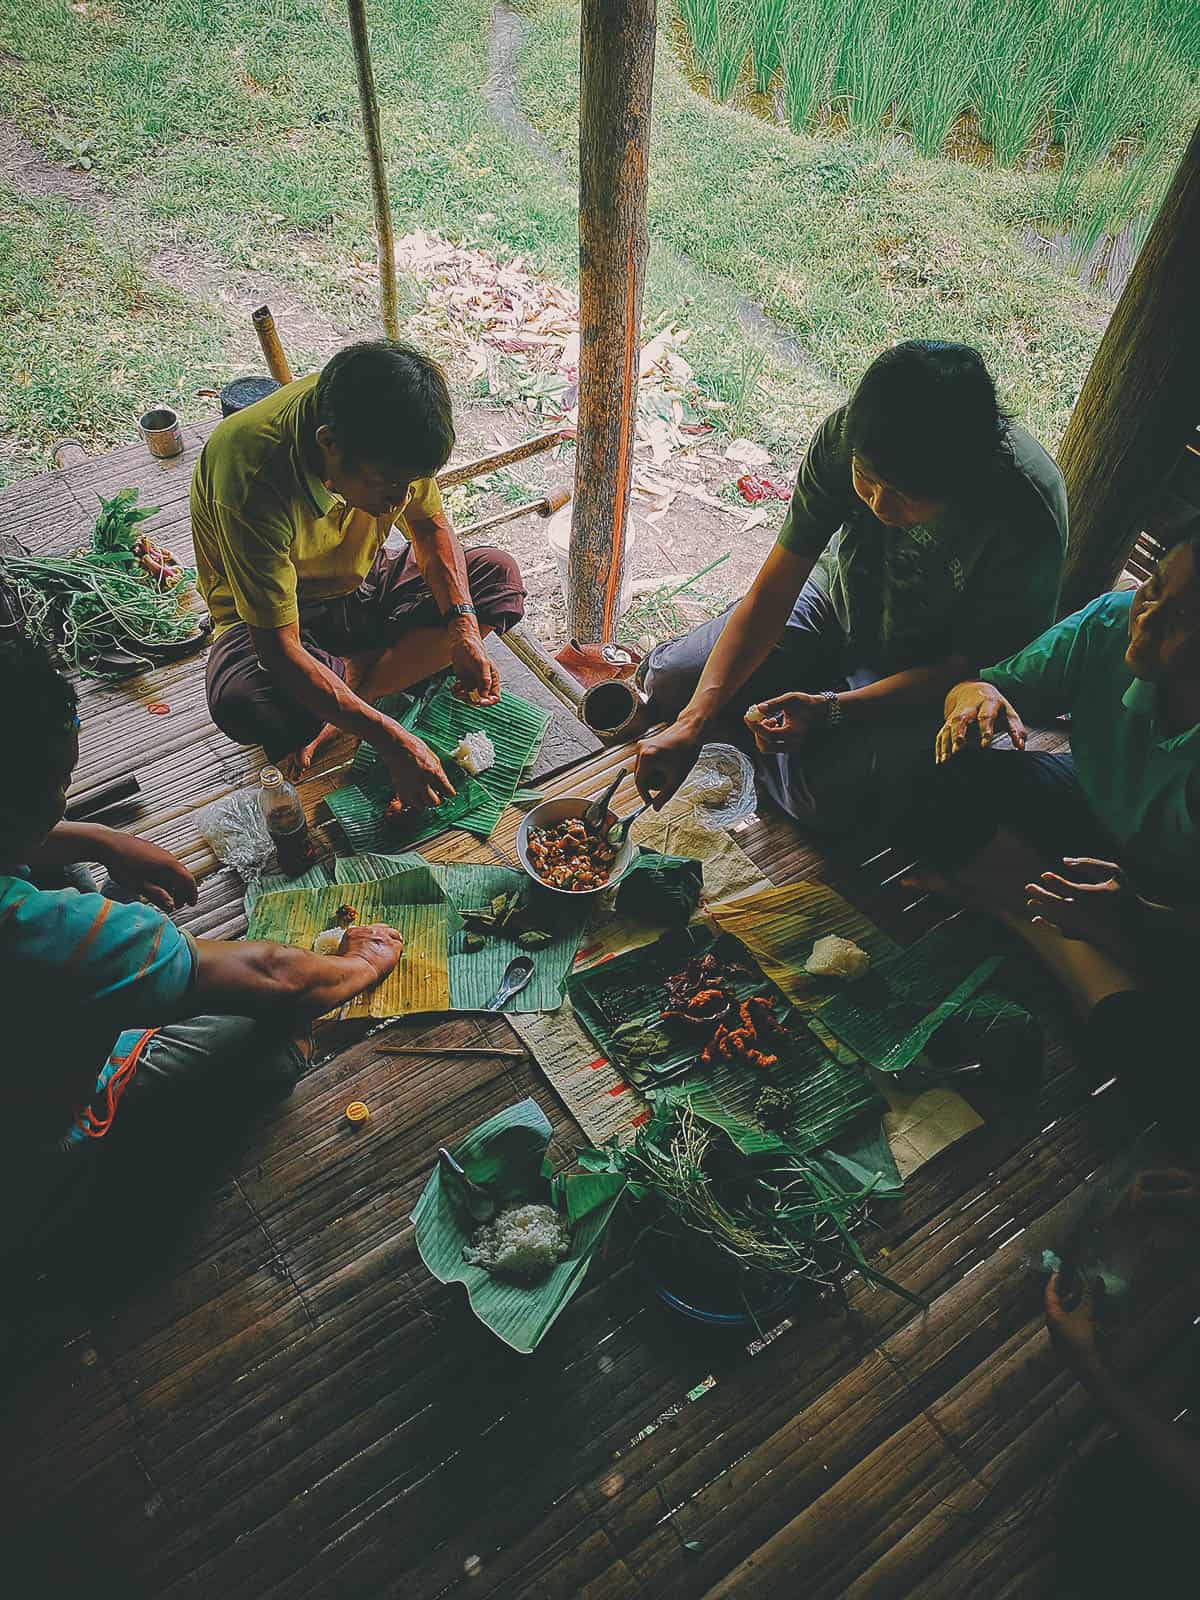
pixel 1162 1447
pixel 134 862
pixel 439 555
pixel 415 771
pixel 311 684
pixel 253 978
pixel 916 687
pixel 665 759
pixel 748 637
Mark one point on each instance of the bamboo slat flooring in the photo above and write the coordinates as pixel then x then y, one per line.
pixel 255 1390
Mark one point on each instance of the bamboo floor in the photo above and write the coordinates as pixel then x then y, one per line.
pixel 272 1399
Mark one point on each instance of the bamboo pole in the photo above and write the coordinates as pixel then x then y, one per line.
pixel 1138 406
pixel 544 667
pixel 543 508
pixel 369 103
pixel 268 338
pixel 511 454
pixel 616 58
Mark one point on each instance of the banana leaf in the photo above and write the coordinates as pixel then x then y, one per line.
pixel 475 974
pixel 830 1094
pixel 889 1016
pixel 516 729
pixel 413 902
pixel 507 1155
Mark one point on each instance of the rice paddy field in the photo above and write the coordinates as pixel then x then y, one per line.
pixel 854 172
pixel 1096 90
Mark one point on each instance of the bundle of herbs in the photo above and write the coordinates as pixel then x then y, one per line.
pixel 108 609
pixel 508 914
pixel 775 1215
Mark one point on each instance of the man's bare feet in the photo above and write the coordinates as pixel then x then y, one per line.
pixel 302 761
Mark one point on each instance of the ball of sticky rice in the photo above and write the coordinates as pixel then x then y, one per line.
pixel 835 957
pixel 474 753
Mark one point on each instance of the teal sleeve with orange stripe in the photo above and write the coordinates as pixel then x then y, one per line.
pixel 127 961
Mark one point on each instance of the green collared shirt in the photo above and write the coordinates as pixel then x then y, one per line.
pixel 1142 784
pixel 976 584
pixel 269 535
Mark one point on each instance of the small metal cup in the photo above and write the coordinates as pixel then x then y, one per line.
pixel 160 430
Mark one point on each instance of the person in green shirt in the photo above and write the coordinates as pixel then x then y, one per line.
pixel 925 536
pixel 1093 858
pixel 292 502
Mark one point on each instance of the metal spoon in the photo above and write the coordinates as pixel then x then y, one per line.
pixel 597 810
pixel 619 831
pixel 476 1199
pixel 516 975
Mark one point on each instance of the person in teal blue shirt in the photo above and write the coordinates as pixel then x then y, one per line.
pixel 1092 857
pixel 113 1016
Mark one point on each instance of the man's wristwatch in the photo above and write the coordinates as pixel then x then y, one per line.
pixel 464 609
pixel 833 708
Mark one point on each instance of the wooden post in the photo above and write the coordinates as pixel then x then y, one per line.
pixel 268 339
pixel 1139 404
pixel 379 192
pixel 616 82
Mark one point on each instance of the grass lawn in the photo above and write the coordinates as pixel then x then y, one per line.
pixel 234 127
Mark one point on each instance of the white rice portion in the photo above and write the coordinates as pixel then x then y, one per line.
pixel 475 753
pixel 522 1244
pixel 834 957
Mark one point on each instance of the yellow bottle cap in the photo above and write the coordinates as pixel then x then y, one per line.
pixel 357 1112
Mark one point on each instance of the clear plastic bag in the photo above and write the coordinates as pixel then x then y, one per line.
pixel 719 790
pixel 235 829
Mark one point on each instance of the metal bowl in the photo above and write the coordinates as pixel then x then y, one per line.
pixel 545 815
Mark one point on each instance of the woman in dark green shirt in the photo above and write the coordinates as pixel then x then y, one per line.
pixel 925 536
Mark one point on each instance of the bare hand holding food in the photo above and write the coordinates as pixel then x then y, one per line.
pixel 379 945
pixel 417 775
pixel 664 761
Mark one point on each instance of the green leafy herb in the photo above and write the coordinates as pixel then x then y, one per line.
pixel 473 941
pixel 533 939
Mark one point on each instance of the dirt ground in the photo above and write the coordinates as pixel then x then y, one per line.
pixel 690 534
pixel 665 551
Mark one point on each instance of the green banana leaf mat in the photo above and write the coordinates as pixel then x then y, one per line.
pixel 411 901
pixel 890 1015
pixel 474 976
pixel 830 1095
pixel 507 1154
pixel 516 729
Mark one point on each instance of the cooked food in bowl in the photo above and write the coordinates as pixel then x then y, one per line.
pixel 570 856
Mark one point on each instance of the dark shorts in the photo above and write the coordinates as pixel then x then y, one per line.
pixel 810 654
pixel 842 780
pixel 391 601
pixel 212 1067
pixel 958 808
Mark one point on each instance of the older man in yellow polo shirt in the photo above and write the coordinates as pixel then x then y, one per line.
pixel 292 502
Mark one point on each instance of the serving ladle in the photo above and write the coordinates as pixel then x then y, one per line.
pixel 597 810
pixel 619 830
pixel 516 976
